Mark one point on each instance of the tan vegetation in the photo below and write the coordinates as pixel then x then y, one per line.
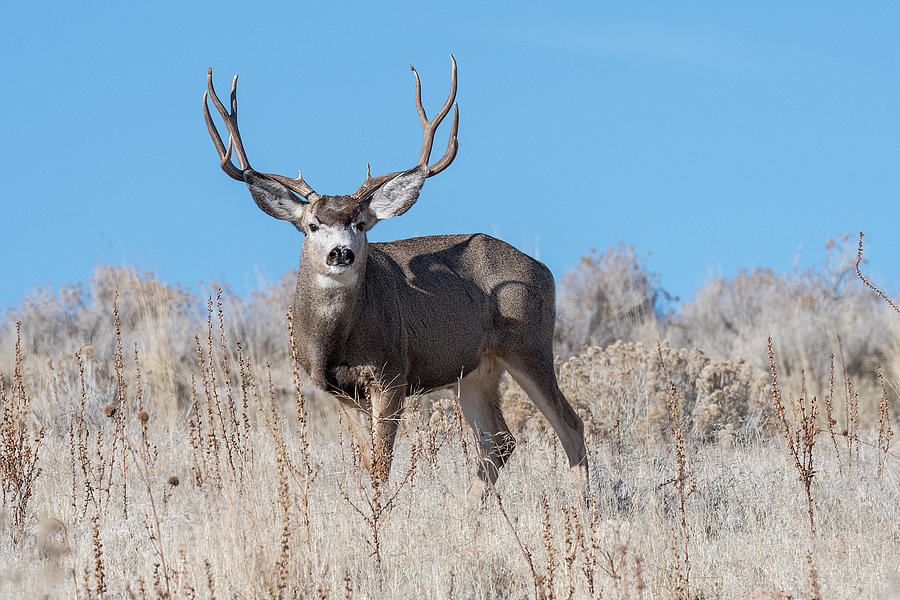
pixel 719 400
pixel 138 460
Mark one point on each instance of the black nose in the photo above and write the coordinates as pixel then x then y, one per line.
pixel 340 256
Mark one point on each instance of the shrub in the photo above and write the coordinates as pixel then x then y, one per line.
pixel 620 392
pixel 812 314
pixel 161 319
pixel 609 296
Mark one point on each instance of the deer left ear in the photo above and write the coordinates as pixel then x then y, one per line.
pixel 399 194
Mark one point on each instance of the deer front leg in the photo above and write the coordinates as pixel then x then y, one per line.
pixel 386 401
pixel 373 421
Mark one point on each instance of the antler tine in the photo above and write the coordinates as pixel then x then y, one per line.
pixel 226 160
pixel 428 130
pixel 297 185
pixel 224 157
pixel 373 183
pixel 230 120
pixel 234 141
pixel 430 127
pixel 419 108
pixel 452 146
pixel 236 134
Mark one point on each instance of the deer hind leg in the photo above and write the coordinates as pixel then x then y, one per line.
pixel 479 400
pixel 537 377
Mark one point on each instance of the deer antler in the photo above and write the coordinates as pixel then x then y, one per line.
pixel 428 130
pixel 234 142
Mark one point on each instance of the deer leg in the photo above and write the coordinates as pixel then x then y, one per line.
pixel 373 421
pixel 359 422
pixel 479 400
pixel 387 405
pixel 536 376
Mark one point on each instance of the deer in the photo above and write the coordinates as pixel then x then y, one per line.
pixel 377 322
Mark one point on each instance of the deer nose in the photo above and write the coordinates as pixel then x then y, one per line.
pixel 340 256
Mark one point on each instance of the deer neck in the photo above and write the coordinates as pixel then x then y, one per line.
pixel 325 310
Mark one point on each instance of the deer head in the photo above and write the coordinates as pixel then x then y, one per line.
pixel 335 226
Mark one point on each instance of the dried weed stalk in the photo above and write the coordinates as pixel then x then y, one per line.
pixel 20 445
pixel 814 592
pixel 307 473
pixel 681 566
pixel 800 442
pixel 234 431
pixel 211 365
pixel 376 500
pixel 589 549
pixel 89 459
pixel 120 435
pixel 851 411
pixel 867 283
pixel 140 458
pixel 829 415
pixel 211 448
pixel 285 501
pixel 97 547
pixel 571 517
pixel 548 548
pixel 884 427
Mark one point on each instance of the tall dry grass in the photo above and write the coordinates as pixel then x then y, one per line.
pixel 160 318
pixel 178 455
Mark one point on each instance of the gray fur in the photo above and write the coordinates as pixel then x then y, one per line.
pixel 423 313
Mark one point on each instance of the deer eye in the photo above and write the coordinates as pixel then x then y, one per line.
pixel 361 225
pixel 313 227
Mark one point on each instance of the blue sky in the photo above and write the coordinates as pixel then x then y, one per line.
pixel 714 136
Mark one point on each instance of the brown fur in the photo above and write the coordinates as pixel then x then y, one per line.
pixel 427 312
pixel 336 210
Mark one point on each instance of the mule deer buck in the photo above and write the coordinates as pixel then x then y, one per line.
pixel 377 322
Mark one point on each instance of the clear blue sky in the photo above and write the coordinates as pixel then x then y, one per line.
pixel 713 135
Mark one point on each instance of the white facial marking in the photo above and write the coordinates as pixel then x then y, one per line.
pixel 336 277
pixel 318 244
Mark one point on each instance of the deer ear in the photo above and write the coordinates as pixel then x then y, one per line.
pixel 274 198
pixel 397 196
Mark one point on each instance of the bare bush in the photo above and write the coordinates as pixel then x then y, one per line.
pixel 813 313
pixel 621 391
pixel 609 296
pixel 157 316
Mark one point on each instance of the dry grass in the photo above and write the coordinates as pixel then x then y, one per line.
pixel 242 490
pixel 813 313
pixel 622 392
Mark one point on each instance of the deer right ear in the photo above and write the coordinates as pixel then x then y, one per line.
pixel 274 198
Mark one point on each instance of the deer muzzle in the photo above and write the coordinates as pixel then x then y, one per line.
pixel 340 256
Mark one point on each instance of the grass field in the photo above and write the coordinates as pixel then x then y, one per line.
pixel 150 463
